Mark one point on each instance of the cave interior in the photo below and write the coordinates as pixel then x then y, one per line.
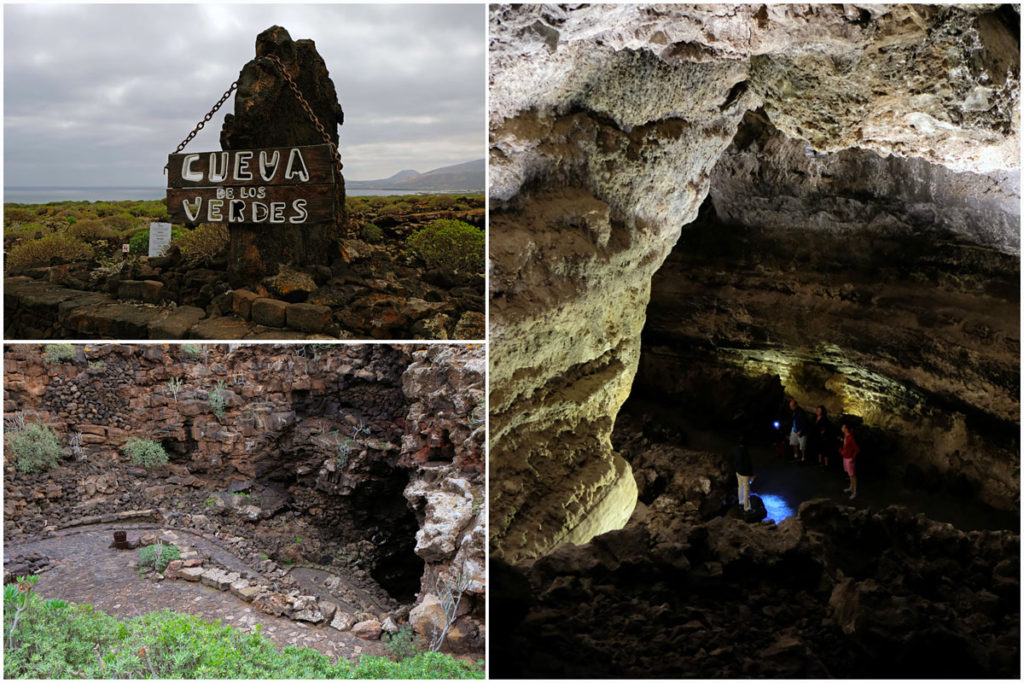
pixel 697 213
pixel 877 288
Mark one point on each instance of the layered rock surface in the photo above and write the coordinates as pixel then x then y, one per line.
pixel 607 122
pixel 306 465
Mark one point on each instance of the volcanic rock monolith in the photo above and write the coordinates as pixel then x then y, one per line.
pixel 268 114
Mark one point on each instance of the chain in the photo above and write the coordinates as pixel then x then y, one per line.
pixel 298 95
pixel 306 108
pixel 206 119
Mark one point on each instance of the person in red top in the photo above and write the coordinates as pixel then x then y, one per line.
pixel 849 452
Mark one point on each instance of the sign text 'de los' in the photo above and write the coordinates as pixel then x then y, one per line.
pixel 282 185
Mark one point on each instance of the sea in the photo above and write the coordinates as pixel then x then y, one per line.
pixel 44 195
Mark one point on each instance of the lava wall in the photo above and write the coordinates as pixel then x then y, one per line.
pixel 606 125
pixel 330 439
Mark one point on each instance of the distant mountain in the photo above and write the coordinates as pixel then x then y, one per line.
pixel 465 177
pixel 401 175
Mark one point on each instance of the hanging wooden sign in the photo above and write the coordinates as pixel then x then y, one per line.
pixel 282 185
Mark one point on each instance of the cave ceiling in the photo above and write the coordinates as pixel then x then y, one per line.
pixel 610 125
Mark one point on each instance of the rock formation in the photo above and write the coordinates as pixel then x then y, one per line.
pixel 830 593
pixel 608 128
pixel 313 460
pixel 268 114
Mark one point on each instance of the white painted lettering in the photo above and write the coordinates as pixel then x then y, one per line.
pixel 260 212
pixel 267 172
pixel 291 171
pixel 213 208
pixel 277 212
pixel 242 171
pixel 186 169
pixel 218 175
pixel 192 210
pixel 237 212
pixel 299 207
pixel 261 192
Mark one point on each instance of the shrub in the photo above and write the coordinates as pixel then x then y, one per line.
pixel 449 246
pixel 47 250
pixel 201 246
pixel 58 353
pixel 34 230
pixel 396 209
pixel 80 641
pixel 155 209
pixel 122 222
pixel 36 448
pixel 371 233
pixel 404 643
pixel 17 216
pixel 217 400
pixel 441 201
pixel 191 350
pixel 158 556
pixel 145 452
pixel 91 230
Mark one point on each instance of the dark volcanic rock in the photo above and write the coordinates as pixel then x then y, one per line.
pixel 268 114
pixel 832 593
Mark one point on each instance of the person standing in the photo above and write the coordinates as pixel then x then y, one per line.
pixel 849 451
pixel 820 432
pixel 798 433
pixel 744 472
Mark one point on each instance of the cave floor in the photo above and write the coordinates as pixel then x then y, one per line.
pixel 87 570
pixel 783 484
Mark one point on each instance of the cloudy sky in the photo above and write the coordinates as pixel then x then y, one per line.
pixel 99 95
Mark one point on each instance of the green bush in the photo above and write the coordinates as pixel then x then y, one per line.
pixel 26 231
pixel 36 448
pixel 201 246
pixel 79 641
pixel 218 400
pixel 441 201
pixel 58 353
pixel 404 643
pixel 145 452
pixel 122 222
pixel 16 216
pixel 139 242
pixel 48 250
pixel 450 246
pixel 158 556
pixel 371 233
pixel 91 230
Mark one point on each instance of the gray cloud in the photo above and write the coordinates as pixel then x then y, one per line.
pixel 100 94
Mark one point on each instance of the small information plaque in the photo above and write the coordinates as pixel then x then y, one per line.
pixel 159 238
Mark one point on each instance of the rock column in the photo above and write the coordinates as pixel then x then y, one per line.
pixel 268 114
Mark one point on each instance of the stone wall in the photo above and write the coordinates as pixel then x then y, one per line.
pixel 319 440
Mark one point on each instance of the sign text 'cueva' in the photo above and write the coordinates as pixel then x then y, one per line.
pixel 285 185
